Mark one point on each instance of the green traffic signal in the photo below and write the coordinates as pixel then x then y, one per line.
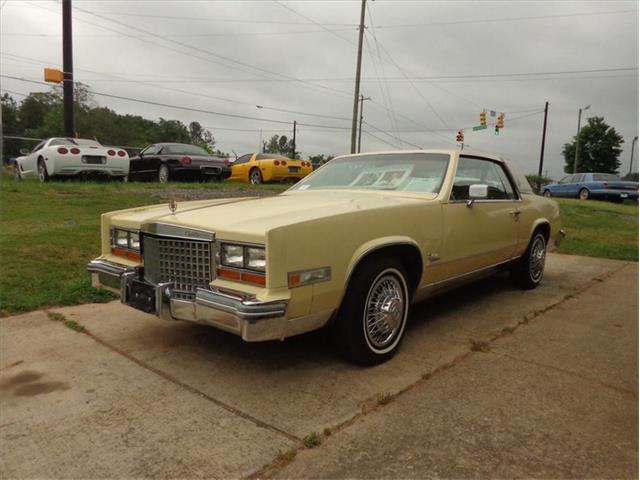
pixel 497 131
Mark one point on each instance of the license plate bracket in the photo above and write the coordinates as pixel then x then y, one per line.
pixel 294 169
pixel 93 159
pixel 142 296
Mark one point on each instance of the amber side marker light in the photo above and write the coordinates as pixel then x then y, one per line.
pixel 121 252
pixel 307 277
pixel 255 278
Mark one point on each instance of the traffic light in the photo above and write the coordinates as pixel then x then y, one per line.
pixel 483 117
pixel 497 131
pixel 500 121
pixel 460 136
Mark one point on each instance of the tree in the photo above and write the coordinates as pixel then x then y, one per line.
pixel 317 160
pixel 600 147
pixel 280 144
pixel 202 137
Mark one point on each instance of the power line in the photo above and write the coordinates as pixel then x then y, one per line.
pixel 183 35
pixel 395 137
pixel 508 19
pixel 198 93
pixel 177 107
pixel 191 47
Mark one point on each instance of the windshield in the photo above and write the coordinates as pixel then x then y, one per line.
pixel 605 177
pixel 402 172
pixel 185 149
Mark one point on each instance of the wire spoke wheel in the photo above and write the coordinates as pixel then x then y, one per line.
pixel 385 311
pixel 537 258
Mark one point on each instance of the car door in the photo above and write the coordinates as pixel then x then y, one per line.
pixel 30 163
pixel 560 189
pixel 479 233
pixel 147 161
pixel 573 185
pixel 239 168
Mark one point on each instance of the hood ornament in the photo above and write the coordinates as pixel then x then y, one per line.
pixel 173 205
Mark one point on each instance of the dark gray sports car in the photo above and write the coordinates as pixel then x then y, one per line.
pixel 177 161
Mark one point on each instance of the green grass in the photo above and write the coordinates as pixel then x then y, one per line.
pixel 599 229
pixel 48 233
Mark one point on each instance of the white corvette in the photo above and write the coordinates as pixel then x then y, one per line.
pixel 60 156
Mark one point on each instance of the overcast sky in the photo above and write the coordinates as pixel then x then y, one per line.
pixel 300 56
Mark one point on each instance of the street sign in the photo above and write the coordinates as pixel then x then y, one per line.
pixel 492 113
pixel 479 127
pixel 53 75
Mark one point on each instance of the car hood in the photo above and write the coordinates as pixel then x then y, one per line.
pixel 256 216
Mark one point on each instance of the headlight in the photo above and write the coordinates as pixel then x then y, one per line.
pixel 232 255
pixel 125 239
pixel 255 258
pixel 134 241
pixel 243 256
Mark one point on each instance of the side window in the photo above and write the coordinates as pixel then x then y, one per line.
pixel 243 158
pixel 565 179
pixel 150 150
pixel 478 171
pixel 38 146
pixel 506 182
pixel 574 178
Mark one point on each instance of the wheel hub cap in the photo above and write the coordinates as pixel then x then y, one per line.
pixel 537 259
pixel 384 311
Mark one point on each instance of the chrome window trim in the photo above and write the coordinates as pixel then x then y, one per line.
pixel 176 231
pixel 502 164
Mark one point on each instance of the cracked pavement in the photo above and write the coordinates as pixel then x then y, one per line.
pixel 553 392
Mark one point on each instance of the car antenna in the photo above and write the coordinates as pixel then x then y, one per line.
pixel 236 155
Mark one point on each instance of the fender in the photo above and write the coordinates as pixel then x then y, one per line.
pixel 370 247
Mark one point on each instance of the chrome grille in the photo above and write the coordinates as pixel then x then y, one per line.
pixel 186 264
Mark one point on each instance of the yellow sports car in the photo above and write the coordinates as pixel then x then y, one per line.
pixel 259 168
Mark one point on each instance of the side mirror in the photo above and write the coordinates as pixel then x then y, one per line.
pixel 477 192
pixel 25 151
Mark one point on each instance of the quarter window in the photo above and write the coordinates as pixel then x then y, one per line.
pixel 472 171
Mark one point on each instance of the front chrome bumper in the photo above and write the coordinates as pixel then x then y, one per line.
pixel 242 315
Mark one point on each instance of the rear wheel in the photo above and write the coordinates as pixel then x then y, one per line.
pixel 16 173
pixel 163 174
pixel 528 270
pixel 583 194
pixel 373 315
pixel 255 177
pixel 43 176
pixel 547 193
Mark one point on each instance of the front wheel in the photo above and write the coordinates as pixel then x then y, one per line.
pixel 528 270
pixel 16 173
pixel 547 193
pixel 163 174
pixel 372 318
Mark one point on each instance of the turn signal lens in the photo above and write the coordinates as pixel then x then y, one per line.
pixel 111 153
pixel 307 277
pixel 284 163
pixel 121 153
pixel 63 151
pixel 276 163
pixel 75 151
pixel 185 160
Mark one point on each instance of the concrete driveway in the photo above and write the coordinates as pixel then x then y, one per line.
pixel 490 382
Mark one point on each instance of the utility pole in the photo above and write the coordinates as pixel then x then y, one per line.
pixel 544 136
pixel 362 99
pixel 67 67
pixel 575 162
pixel 260 146
pixel 356 93
pixel 293 153
pixel 633 145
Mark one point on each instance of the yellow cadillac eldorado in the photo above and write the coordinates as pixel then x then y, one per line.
pixel 349 247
